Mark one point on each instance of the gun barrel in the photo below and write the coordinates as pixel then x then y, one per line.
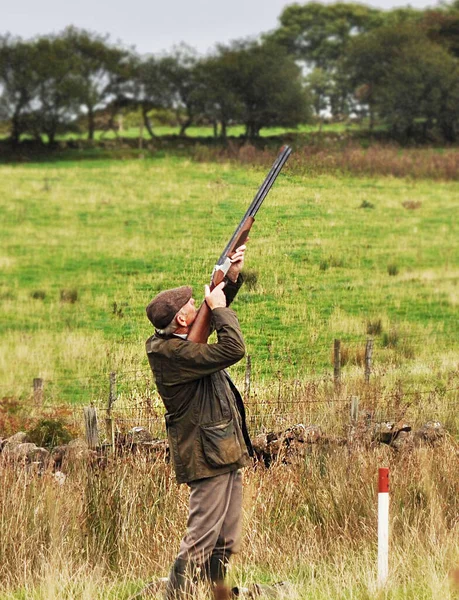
pixel 267 184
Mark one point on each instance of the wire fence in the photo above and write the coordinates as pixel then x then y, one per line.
pixel 129 399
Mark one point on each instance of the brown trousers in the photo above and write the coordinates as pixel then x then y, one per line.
pixel 214 519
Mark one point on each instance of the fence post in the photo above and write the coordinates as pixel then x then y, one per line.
pixel 141 134
pixel 38 391
pixel 337 362
pixel 383 525
pixel 109 421
pixel 248 373
pixel 90 423
pixel 368 356
pixel 354 409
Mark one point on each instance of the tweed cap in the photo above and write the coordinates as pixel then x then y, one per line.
pixel 163 308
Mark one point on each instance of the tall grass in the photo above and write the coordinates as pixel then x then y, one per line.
pixel 104 531
pixel 331 156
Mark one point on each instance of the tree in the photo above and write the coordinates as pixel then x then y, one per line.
pixel 104 73
pixel 154 90
pixel 411 82
pixel 219 101
pixel 266 84
pixel 57 101
pixel 318 34
pixel 18 83
pixel 421 91
pixel 319 84
pixel 442 27
pixel 177 71
pixel 370 56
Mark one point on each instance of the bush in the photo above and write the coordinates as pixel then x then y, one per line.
pixel 392 269
pixel 38 294
pixel 70 296
pixel 250 279
pixel 14 417
pixel 412 204
pixel 374 327
pixel 367 204
pixel 48 433
pixel 390 339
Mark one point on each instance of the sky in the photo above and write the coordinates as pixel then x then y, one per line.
pixel 153 26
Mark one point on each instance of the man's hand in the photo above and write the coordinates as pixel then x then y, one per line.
pixel 215 298
pixel 237 262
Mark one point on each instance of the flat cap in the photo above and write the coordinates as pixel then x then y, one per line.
pixel 163 308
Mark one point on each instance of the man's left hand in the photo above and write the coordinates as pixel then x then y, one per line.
pixel 237 263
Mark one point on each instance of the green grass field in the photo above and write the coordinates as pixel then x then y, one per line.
pixel 329 257
pixel 84 247
pixel 207 131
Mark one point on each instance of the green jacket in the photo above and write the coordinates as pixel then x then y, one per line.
pixel 205 417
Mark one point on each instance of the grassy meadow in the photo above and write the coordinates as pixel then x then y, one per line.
pixel 84 247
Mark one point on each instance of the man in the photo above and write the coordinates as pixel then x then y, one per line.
pixel 205 422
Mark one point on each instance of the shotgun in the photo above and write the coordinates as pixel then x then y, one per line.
pixel 200 329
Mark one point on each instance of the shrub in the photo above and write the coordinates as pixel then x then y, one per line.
pixel 367 204
pixel 390 339
pixel 38 294
pixel 331 261
pixel 49 433
pixel 13 417
pixel 392 269
pixel 412 204
pixel 70 296
pixel 374 327
pixel 250 279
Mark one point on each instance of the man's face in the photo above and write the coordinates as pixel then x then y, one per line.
pixel 189 312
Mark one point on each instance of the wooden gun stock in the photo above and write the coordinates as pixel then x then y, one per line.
pixel 200 329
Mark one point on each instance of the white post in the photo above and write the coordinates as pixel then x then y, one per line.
pixel 383 526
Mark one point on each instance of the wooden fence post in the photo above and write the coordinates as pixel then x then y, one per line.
pixel 38 391
pixel 337 362
pixel 90 423
pixel 248 373
pixel 354 409
pixel 368 356
pixel 141 134
pixel 109 421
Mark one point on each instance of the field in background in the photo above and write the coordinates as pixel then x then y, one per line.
pixel 84 247
pixel 199 131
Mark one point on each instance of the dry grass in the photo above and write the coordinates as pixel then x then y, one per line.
pixel 104 531
pixel 351 159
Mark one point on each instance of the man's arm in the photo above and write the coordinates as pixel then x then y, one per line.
pixel 234 277
pixel 194 360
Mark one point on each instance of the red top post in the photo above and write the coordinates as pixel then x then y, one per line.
pixel 383 480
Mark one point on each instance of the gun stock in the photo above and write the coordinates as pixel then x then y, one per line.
pixel 200 329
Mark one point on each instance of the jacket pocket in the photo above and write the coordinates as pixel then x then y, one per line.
pixel 220 443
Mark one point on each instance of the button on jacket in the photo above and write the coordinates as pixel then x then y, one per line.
pixel 205 417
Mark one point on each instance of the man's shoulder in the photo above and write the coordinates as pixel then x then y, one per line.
pixel 161 344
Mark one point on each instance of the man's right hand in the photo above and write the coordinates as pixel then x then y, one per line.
pixel 215 298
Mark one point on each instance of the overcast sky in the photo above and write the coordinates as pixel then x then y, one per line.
pixel 155 25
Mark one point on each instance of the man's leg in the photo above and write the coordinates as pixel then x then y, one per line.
pixel 213 525
pixel 180 583
pixel 229 539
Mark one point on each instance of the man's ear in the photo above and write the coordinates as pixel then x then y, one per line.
pixel 181 320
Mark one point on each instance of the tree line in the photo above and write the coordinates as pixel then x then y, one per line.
pixel 397 68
